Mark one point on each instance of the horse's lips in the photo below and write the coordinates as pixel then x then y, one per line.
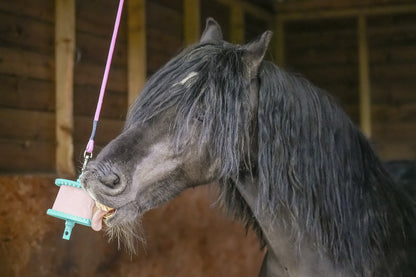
pixel 100 211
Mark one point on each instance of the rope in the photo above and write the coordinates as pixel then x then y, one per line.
pixel 90 145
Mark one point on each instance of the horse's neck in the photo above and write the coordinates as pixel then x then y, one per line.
pixel 286 255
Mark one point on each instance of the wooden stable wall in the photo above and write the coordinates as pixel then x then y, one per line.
pixel 27 72
pixel 321 45
pixel 325 47
pixel 392 44
pixel 27 102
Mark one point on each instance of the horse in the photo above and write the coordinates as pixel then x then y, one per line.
pixel 288 161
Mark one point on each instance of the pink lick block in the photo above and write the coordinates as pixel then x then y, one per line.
pixel 74 201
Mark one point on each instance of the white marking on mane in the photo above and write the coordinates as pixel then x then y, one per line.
pixel 187 78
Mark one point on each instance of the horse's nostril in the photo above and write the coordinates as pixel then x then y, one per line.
pixel 110 180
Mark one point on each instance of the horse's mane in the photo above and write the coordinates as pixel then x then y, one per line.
pixel 312 161
pixel 316 164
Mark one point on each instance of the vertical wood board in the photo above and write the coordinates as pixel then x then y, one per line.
pixel 136 48
pixel 192 23
pixel 64 76
pixel 364 77
pixel 237 23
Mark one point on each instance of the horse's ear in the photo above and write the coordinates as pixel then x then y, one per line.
pixel 256 50
pixel 212 32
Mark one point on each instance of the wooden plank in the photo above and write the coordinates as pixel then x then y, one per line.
pixel 26 63
pixel 192 21
pixel 279 41
pixel 322 40
pixel 250 8
pixel 236 23
pixel 392 40
pixel 394 92
pixel 172 23
pixel 136 48
pixel 27 93
pixel 97 18
pixel 347 12
pixel 400 132
pixel 173 5
pixel 27 33
pixel 26 156
pixel 344 96
pixel 293 6
pixel 85 102
pixel 388 56
pixel 395 72
pixel 396 151
pixel 40 9
pixel 392 113
pixel 93 49
pixel 107 129
pixel 27 125
pixel 257 11
pixel 64 76
pixel 156 46
pixel 364 77
pixel 331 57
pixel 328 25
pixel 325 73
pixel 403 22
pixel 91 74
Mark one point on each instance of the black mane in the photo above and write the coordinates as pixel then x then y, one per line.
pixel 319 166
pixel 312 161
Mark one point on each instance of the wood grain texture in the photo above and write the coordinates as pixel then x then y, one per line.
pixel 191 21
pixel 137 63
pixel 64 72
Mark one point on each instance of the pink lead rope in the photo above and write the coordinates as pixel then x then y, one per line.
pixel 90 145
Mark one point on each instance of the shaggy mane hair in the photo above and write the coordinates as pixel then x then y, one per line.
pixel 319 166
pixel 311 160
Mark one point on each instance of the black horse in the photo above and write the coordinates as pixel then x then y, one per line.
pixel 287 159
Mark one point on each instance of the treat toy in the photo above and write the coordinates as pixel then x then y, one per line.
pixel 72 204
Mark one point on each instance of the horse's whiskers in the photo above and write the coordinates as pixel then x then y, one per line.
pixel 127 233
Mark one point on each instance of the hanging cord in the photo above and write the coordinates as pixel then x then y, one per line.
pixel 90 145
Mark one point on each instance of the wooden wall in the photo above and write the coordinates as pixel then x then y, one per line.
pixel 27 72
pixel 322 49
pixel 325 51
pixel 27 134
pixel 392 42
pixel 164 32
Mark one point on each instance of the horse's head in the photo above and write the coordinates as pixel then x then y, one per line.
pixel 190 125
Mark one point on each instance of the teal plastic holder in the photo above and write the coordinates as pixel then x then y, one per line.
pixel 70 219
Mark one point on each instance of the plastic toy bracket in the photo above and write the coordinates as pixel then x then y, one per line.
pixel 70 220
